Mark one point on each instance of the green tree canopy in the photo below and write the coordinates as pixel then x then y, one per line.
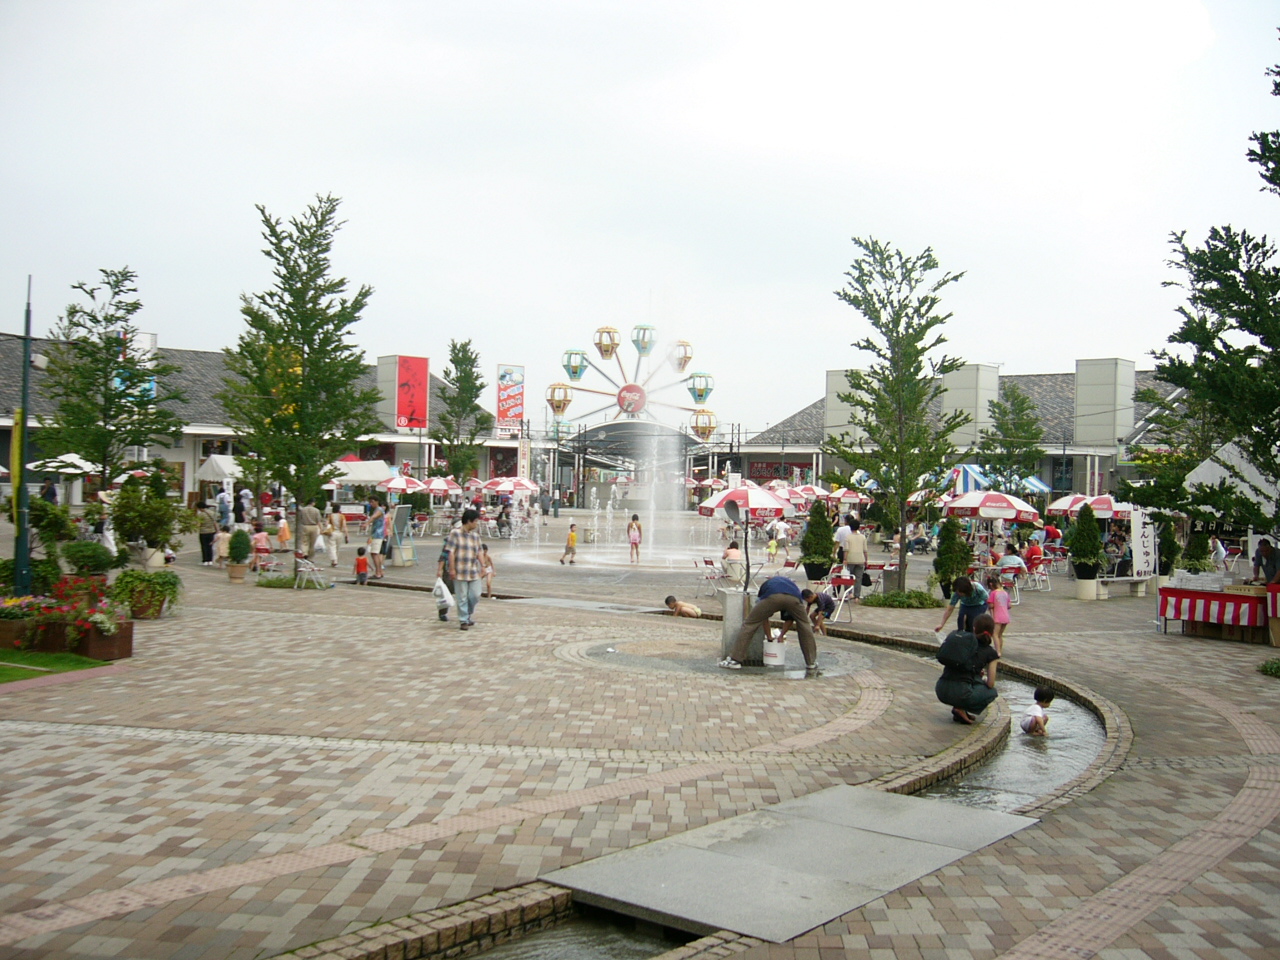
pixel 1010 451
pixel 293 393
pixel 1223 356
pixel 108 388
pixel 896 438
pixel 461 418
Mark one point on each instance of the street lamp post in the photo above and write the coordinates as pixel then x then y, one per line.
pixel 18 470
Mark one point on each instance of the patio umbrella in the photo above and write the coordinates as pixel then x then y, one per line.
pixel 403 484
pixel 715 483
pixel 756 502
pixel 1105 507
pixel 850 497
pixel 776 484
pixel 473 483
pixel 140 474
pixel 991 506
pixel 443 486
pixel 690 482
pixel 812 492
pixel 511 485
pixel 1067 506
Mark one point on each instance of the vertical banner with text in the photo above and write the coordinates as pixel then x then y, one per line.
pixel 413 393
pixel 510 400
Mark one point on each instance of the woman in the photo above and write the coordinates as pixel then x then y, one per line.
pixel 339 523
pixel 207 530
pixel 634 536
pixel 968 681
pixel 735 565
pixel 329 530
pixel 971 598
pixel 377 535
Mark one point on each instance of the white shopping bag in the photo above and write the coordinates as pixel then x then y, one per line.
pixel 441 592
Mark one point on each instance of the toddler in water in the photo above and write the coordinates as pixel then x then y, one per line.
pixel 679 608
pixel 999 602
pixel 1036 718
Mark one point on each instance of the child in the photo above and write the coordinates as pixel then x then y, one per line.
pixel 772 550
pixel 999 600
pixel 571 544
pixel 821 606
pixel 679 608
pixel 261 546
pixel 1036 718
pixel 486 570
pixel 283 536
pixel 222 544
pixel 361 566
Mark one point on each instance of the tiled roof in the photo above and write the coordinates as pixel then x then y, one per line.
pixel 200 378
pixel 803 429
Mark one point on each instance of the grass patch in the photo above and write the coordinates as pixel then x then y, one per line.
pixel 909 600
pixel 12 663
pixel 1270 667
pixel 285 581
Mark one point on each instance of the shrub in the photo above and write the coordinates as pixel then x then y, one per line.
pixel 954 554
pixel 1084 543
pixel 88 558
pixel 1196 557
pixel 285 581
pixel 902 600
pixel 44 574
pixel 818 543
pixel 1270 667
pixel 141 588
pixel 1169 550
pixel 240 547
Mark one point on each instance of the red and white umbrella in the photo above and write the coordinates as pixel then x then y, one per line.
pixel 850 497
pixel 930 498
pixel 811 492
pixel 795 496
pixel 987 505
pixel 511 485
pixel 776 484
pixel 690 482
pixel 443 486
pixel 715 483
pixel 403 484
pixel 1067 506
pixel 473 483
pixel 1105 507
pixel 757 503
pixel 139 474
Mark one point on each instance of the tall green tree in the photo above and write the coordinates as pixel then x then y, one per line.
pixel 896 437
pixel 1010 451
pixel 108 389
pixel 1223 356
pixel 461 419
pixel 294 391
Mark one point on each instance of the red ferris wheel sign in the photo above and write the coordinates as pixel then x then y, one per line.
pixel 631 398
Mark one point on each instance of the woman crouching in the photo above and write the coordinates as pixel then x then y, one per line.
pixel 968 681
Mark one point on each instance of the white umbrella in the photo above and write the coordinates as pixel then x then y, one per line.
pixel 443 486
pixel 756 501
pixel 1106 507
pixel 511 485
pixel 67 463
pixel 991 506
pixel 715 483
pixel 1067 506
pixel 403 484
pixel 812 491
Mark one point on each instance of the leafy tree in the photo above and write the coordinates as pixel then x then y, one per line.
pixel 1230 326
pixel 108 392
pixel 294 393
pixel 1010 451
pixel 461 418
pixel 897 437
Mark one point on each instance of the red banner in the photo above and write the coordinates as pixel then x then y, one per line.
pixel 510 392
pixel 413 394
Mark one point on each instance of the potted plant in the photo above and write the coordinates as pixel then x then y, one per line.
pixel 818 543
pixel 145 514
pixel 78 618
pixel 88 558
pixel 954 557
pixel 1168 550
pixel 145 592
pixel 1084 546
pixel 238 551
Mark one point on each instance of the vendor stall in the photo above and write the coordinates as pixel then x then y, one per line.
pixel 1230 613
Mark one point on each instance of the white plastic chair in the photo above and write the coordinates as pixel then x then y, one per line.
pixel 309 573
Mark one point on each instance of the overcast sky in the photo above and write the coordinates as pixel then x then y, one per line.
pixel 522 173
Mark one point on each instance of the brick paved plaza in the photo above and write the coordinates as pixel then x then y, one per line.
pixel 275 769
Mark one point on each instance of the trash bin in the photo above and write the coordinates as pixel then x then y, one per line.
pixel 588 535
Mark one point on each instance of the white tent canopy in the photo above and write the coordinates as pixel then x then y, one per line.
pixel 365 472
pixel 1230 458
pixel 67 463
pixel 219 467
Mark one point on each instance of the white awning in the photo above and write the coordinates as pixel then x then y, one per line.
pixel 365 472
pixel 219 467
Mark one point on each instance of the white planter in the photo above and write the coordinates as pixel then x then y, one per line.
pixel 153 559
pixel 1086 589
pixel 1161 581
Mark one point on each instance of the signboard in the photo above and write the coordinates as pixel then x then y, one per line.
pixel 776 470
pixel 1144 545
pixel 413 394
pixel 510 399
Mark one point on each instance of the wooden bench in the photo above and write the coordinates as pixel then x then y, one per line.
pixel 1137 586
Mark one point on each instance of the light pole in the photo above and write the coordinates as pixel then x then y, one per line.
pixel 18 470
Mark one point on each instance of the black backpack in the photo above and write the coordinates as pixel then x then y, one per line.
pixel 959 649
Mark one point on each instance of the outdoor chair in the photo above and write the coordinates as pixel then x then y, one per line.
pixel 1038 575
pixel 308 573
pixel 1009 580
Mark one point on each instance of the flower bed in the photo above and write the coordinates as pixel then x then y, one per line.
pixel 77 618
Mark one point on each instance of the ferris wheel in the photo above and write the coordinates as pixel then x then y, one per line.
pixel 634 390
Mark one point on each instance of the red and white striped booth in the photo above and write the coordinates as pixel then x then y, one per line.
pixel 1233 609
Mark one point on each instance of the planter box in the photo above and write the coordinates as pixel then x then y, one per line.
pixel 94 644
pixel 12 633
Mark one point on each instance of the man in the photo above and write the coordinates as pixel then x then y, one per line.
pixel 855 556
pixel 308 527
pixel 1266 563
pixel 223 500
pixel 776 595
pixel 463 543
pixel 49 491
pixel 1052 535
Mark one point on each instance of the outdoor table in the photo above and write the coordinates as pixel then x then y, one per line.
pixel 1206 613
